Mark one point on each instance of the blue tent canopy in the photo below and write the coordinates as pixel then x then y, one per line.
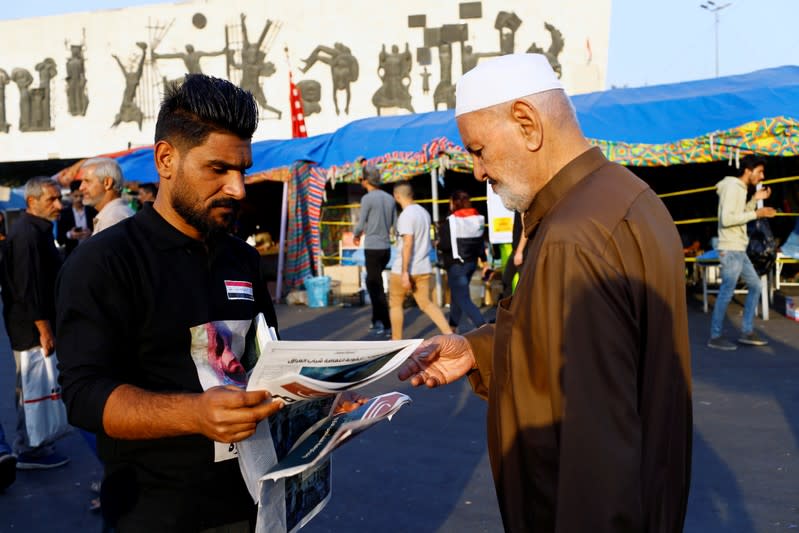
pixel 377 136
pixel 16 200
pixel 647 115
pixel 668 113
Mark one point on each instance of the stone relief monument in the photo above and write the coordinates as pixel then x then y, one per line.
pixel 40 96
pixel 129 111
pixel 395 73
pixel 343 69
pixel 507 24
pixel 445 90
pixel 470 58
pixel 425 75
pixel 555 48
pixel 34 103
pixel 191 58
pixel 4 80
pixel 311 94
pixel 77 95
pixel 23 79
pixel 254 65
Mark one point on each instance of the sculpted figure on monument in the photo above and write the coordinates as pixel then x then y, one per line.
pixel 395 73
pixel 469 57
pixel 507 23
pixel 445 90
pixel 425 80
pixel 311 94
pixel 254 65
pixel 77 97
pixel 128 110
pixel 40 97
pixel 555 48
pixel 4 80
pixel 191 58
pixel 343 69
pixel 23 79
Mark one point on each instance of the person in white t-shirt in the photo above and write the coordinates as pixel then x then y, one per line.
pixel 412 270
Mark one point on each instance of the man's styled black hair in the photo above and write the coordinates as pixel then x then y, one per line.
pixel 751 162
pixel 201 105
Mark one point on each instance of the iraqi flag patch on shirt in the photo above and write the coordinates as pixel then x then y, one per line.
pixel 239 290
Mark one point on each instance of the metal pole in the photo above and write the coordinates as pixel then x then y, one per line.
pixel 281 255
pixel 764 284
pixel 716 24
pixel 434 194
pixel 714 8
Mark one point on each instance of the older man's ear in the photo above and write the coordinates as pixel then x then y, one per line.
pixel 529 123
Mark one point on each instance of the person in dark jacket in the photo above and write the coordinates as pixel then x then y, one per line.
pixel 30 265
pixel 76 222
pixel 460 245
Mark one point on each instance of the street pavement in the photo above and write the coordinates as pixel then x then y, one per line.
pixel 427 469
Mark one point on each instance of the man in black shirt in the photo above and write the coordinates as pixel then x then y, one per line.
pixel 76 221
pixel 147 193
pixel 30 266
pixel 129 303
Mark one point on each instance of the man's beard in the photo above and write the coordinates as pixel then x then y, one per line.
pixel 512 200
pixel 190 208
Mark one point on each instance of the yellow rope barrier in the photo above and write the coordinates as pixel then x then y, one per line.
pixel 713 188
pixel 665 195
pixel 781 180
pixel 426 201
pixel 695 220
pixel 689 191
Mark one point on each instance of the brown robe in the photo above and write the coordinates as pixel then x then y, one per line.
pixel 587 369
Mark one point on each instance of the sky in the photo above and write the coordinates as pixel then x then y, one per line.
pixel 651 41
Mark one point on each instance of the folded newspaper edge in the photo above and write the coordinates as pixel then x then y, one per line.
pixel 299 370
pixel 327 434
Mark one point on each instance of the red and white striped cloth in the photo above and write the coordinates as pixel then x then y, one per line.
pixel 297 114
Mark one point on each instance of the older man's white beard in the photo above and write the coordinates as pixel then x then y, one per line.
pixel 512 200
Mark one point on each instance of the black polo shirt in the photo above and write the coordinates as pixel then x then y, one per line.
pixel 30 265
pixel 126 301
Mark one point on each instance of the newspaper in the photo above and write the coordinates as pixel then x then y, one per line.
pixel 301 370
pixel 327 434
pixel 286 464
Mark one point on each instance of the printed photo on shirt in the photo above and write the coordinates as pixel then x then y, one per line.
pixel 223 352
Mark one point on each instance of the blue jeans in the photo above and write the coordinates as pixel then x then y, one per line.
pixel 735 265
pixel 458 277
pixel 4 447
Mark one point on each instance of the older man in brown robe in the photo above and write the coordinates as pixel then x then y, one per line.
pixel 587 370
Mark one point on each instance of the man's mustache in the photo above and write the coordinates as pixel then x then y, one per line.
pixel 230 203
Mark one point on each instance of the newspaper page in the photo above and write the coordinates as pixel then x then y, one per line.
pixel 308 376
pixel 329 433
pixel 299 370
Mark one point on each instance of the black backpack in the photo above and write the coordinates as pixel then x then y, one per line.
pixel 762 248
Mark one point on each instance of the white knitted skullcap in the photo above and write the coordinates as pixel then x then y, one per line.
pixel 502 79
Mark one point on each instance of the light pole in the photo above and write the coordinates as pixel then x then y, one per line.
pixel 714 8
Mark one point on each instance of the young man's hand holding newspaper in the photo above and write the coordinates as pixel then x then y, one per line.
pixel 291 454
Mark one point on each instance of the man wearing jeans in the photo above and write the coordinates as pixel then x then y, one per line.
pixel 412 270
pixel 378 215
pixel 734 212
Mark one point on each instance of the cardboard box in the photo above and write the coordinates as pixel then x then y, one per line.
pixel 348 276
pixel 787 304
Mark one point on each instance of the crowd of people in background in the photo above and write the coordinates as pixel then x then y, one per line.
pixel 29 266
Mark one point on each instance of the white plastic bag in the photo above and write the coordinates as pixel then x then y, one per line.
pixel 45 413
